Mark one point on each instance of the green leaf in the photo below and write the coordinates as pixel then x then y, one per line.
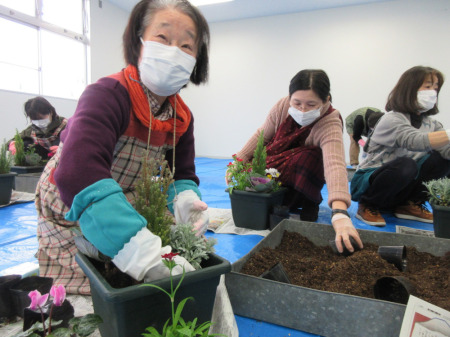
pixel 61 332
pixel 86 325
pixel 180 308
pixel 152 332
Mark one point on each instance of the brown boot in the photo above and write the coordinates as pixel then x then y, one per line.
pixel 414 211
pixel 370 216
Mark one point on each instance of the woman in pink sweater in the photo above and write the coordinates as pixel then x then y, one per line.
pixel 303 136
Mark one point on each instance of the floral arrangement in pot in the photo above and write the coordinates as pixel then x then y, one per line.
pixel 127 303
pixel 22 156
pixel 254 176
pixel 254 189
pixel 45 308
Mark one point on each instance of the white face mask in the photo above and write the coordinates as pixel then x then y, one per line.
pixel 41 123
pixel 165 69
pixel 427 99
pixel 304 118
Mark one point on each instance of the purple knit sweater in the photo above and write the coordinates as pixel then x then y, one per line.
pixel 102 116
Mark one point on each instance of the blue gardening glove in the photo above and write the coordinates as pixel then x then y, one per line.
pixel 189 209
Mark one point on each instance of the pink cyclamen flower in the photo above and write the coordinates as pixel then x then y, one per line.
pixel 37 300
pixel 59 294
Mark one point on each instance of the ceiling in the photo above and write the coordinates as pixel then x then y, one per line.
pixel 244 9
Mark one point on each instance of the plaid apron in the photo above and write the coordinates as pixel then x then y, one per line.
pixel 57 250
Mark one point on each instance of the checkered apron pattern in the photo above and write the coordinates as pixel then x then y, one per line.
pixel 57 248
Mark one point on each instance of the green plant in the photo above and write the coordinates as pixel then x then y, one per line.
pixel 5 159
pixel 151 200
pixel 439 191
pixel 78 326
pixel 253 176
pixel 193 248
pixel 176 326
pixel 32 158
pixel 19 157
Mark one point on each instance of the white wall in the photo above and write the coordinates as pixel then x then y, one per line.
pixel 364 49
pixel 107 25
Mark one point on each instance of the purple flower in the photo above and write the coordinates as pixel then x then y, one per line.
pixel 259 180
pixel 59 294
pixel 37 300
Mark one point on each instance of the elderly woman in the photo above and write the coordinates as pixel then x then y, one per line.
pixel 45 129
pixel 406 148
pixel 89 183
pixel 303 136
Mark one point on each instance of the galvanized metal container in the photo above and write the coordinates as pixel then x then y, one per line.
pixel 320 312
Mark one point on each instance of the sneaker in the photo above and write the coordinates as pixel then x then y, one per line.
pixel 414 211
pixel 370 216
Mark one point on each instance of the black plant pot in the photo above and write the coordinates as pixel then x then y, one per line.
pixel 441 221
pixel 252 210
pixel 20 291
pixel 27 169
pixel 7 183
pixel 129 311
pixel 60 313
pixel 6 307
pixel 393 289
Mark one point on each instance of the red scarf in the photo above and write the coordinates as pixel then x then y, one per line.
pixel 141 109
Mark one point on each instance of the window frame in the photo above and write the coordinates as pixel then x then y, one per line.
pixel 39 24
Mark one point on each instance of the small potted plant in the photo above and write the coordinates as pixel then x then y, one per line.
pixel 26 160
pixel 254 190
pixel 131 308
pixel 439 191
pixel 7 178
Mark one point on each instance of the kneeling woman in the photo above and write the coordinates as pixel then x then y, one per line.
pixel 406 148
pixel 303 136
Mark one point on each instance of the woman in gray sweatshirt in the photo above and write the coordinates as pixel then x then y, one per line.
pixel 406 148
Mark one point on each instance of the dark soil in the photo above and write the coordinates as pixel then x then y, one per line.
pixel 319 268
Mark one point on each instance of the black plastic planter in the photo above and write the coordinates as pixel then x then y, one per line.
pixel 395 255
pixel 20 291
pixel 7 182
pixel 129 311
pixel 252 210
pixel 277 273
pixel 393 289
pixel 27 169
pixel 441 221
pixel 345 252
pixel 6 306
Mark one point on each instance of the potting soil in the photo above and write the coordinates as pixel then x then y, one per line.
pixel 320 268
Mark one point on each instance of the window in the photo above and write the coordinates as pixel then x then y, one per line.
pixel 45 47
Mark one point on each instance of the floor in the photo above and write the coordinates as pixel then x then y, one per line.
pixel 18 237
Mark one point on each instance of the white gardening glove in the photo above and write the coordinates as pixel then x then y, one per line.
pixel 141 258
pixel 189 209
pixel 344 229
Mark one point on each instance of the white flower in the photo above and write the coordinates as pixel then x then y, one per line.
pixel 273 172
